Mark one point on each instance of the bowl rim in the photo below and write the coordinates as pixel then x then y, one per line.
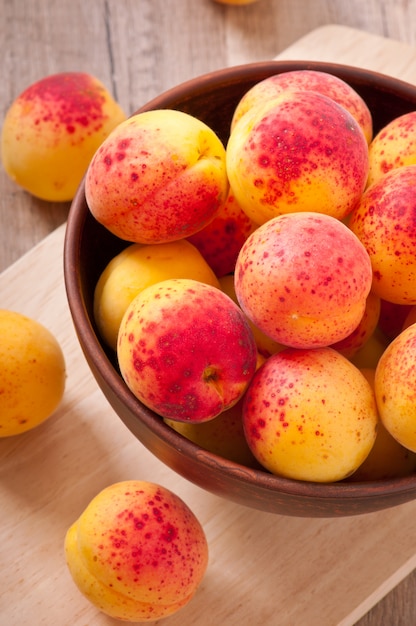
pixel 233 74
pixel 104 370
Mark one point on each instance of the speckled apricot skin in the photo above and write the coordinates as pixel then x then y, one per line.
pixel 303 279
pixel 351 344
pixel 395 388
pixel 311 80
pixel 385 222
pixel 393 146
pixel 300 151
pixel 32 373
pixel 137 552
pixel 185 349
pixel 160 176
pixel 310 415
pixel 266 346
pixel 221 240
pixel 52 130
pixel 137 267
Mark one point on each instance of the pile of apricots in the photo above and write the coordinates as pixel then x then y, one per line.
pixel 264 305
pixel 304 221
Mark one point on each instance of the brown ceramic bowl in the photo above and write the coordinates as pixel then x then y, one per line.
pixel 89 247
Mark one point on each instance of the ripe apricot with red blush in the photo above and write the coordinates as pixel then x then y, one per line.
pixel 52 130
pixel 311 80
pixel 160 176
pixel 395 388
pixel 220 241
pixel 300 151
pixel 303 279
pixel 310 415
pixel 385 222
pixel 186 350
pixel 137 551
pixel 393 146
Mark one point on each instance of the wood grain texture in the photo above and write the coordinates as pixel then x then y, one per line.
pixel 139 48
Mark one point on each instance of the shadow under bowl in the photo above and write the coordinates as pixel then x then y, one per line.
pixel 89 247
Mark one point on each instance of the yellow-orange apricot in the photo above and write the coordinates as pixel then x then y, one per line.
pixel 52 130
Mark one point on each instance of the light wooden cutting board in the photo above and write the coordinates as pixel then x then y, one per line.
pixel 264 569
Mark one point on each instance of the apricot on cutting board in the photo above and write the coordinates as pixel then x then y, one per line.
pixel 52 130
pixel 32 373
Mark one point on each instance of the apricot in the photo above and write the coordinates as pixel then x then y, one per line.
pixel 369 354
pixel 223 435
pixel 384 221
pixel 303 279
pixel 311 80
pixel 387 459
pixel 395 388
pixel 220 241
pixel 160 176
pixel 394 146
pixel 300 151
pixel 52 130
pixel 266 346
pixel 351 344
pixel 32 373
pixel 137 551
pixel 310 415
pixel 185 350
pixel 137 267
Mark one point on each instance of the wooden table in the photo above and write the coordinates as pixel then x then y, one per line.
pixel 139 48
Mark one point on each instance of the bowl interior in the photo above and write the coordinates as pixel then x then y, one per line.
pixel 89 247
